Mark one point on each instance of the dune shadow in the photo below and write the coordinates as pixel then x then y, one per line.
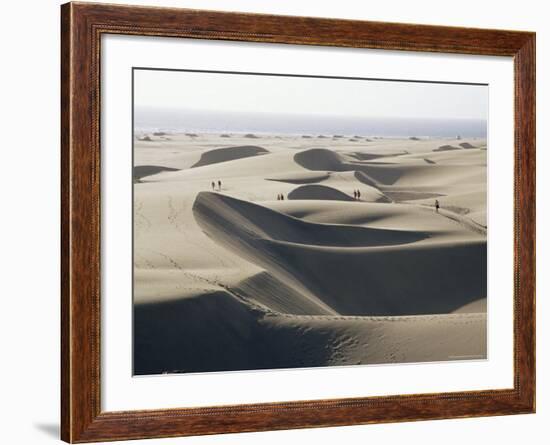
pixel 319 192
pixel 142 171
pixel 225 154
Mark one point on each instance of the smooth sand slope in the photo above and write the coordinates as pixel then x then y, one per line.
pixel 406 274
pixel 234 279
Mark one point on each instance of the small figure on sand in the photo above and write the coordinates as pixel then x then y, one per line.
pixel 358 194
pixel 282 197
pixel 219 185
pixel 355 194
pixel 278 197
pixel 213 185
pixel 436 206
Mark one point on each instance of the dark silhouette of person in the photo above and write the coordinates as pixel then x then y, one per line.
pixel 219 184
pixel 358 194
pixel 213 185
pixel 278 197
pixel 282 197
pixel 355 194
pixel 436 206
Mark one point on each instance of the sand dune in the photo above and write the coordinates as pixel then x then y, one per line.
pixel 362 156
pixel 320 159
pixel 272 295
pixel 470 157
pixel 319 192
pixel 169 331
pixel 300 177
pixel 396 216
pixel 436 175
pixel 362 177
pixel 229 154
pixel 338 191
pixel 358 340
pixel 235 279
pixel 242 218
pixel 391 174
pixel 208 332
pixel 335 185
pixel 324 159
pixel 404 276
pixel 446 148
pixel 399 195
pixel 142 171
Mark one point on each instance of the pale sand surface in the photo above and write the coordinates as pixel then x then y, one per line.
pixel 234 279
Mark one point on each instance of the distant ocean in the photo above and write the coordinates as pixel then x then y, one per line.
pixel 182 121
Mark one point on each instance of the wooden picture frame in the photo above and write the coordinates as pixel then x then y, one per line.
pixel 82 26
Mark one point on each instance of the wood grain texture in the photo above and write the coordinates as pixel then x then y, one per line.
pixel 82 27
pixel 65 227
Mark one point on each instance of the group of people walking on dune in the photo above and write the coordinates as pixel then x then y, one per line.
pixel 281 196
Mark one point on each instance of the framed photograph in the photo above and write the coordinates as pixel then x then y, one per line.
pixel 274 222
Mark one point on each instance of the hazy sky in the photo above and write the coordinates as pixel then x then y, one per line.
pixel 273 94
